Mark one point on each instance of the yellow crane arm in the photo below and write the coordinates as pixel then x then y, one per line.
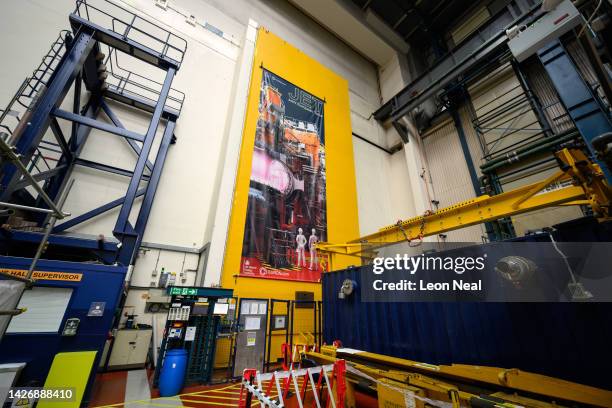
pixel 579 181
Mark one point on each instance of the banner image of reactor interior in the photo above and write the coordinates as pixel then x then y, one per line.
pixel 286 212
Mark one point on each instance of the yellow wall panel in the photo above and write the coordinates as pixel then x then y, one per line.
pixel 286 61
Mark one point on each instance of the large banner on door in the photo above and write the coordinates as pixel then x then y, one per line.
pixel 286 212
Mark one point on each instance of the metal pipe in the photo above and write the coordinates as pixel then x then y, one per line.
pixel 533 148
pixel 48 229
pixel 11 312
pixel 25 207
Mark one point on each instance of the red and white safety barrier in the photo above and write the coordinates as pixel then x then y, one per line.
pixel 283 381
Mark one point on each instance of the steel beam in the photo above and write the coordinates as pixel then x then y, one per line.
pixel 577 97
pixel 457 62
pixel 40 176
pixel 84 120
pixel 107 168
pixel 60 240
pixel 123 229
pixel 111 115
pixel 93 213
pixel 76 106
pixel 59 136
pixel 147 202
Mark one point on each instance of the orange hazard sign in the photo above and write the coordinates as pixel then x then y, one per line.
pixel 45 275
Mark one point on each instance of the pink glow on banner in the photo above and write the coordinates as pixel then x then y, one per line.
pixel 270 172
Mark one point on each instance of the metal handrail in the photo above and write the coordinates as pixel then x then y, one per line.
pixel 139 84
pixel 170 42
pixel 31 87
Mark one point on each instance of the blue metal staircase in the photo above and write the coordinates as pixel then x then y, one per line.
pixel 38 158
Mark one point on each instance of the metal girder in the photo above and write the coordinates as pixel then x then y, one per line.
pixel 457 62
pixel 582 105
pixel 111 115
pixel 59 136
pixel 84 120
pixel 60 240
pixel 588 184
pixel 76 107
pixel 107 168
pixel 147 202
pixel 40 176
pixel 93 213
pixel 123 229
pixel 12 159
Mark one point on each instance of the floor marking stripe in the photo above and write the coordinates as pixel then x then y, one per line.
pixel 161 399
pixel 211 396
pixel 221 392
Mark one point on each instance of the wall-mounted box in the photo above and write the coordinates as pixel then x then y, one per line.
pixel 549 27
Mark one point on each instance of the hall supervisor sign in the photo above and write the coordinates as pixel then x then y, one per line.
pixel 494 272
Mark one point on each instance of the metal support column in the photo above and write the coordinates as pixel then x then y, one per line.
pixel 582 105
pixel 147 202
pixel 123 229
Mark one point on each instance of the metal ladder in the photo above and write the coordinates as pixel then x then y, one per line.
pixel 15 118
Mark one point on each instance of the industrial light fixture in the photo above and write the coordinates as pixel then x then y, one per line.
pixel 162 4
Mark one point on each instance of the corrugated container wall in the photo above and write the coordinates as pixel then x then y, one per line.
pixel 565 340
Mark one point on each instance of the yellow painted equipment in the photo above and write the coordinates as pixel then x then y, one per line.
pixel 578 182
pixel 69 370
pixel 405 383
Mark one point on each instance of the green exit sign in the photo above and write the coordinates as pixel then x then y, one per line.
pixel 184 291
pixel 217 293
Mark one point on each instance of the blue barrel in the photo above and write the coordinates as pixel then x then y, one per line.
pixel 172 373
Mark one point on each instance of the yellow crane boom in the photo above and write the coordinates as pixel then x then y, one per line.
pixel 579 181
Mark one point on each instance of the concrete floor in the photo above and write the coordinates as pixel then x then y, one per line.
pixel 133 389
